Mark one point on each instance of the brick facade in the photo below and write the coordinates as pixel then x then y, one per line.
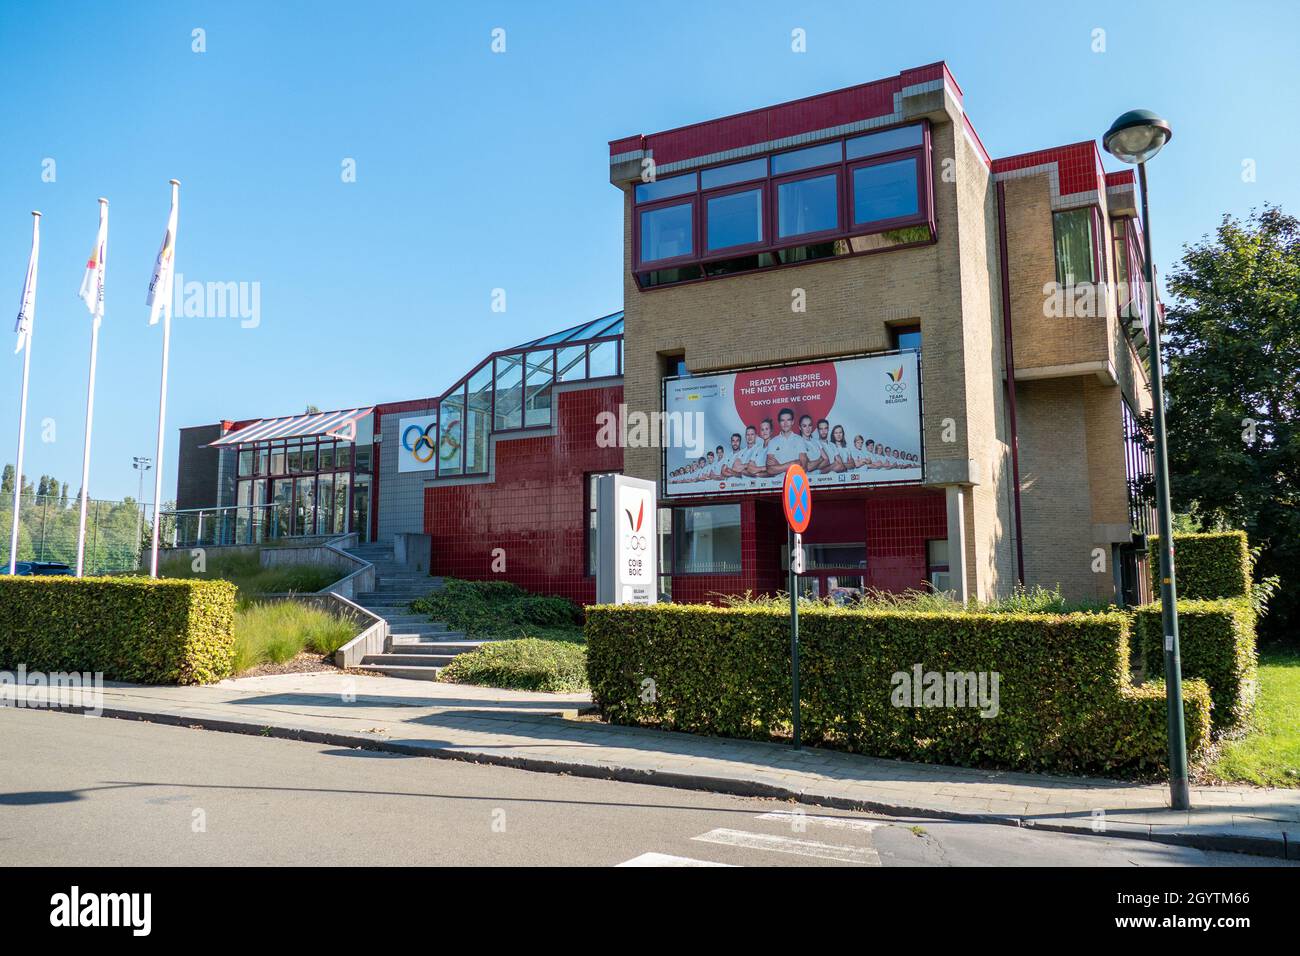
pixel 533 507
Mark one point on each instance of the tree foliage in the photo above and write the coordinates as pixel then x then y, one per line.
pixel 48 521
pixel 1233 352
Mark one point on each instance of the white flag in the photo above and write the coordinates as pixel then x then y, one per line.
pixel 27 308
pixel 160 286
pixel 92 283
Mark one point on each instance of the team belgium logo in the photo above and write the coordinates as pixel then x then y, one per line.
pixel 636 540
pixel 895 387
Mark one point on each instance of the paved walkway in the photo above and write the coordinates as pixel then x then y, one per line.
pixel 538 732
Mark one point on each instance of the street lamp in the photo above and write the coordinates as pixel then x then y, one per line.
pixel 1134 138
pixel 141 465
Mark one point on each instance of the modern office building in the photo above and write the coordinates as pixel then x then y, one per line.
pixel 952 344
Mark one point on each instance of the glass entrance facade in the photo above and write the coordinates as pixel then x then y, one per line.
pixel 302 486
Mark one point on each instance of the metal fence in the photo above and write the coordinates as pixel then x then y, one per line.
pixel 246 524
pixel 116 531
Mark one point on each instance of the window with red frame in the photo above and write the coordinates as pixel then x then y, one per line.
pixel 788 207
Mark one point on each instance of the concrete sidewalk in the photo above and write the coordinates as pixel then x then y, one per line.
pixel 530 731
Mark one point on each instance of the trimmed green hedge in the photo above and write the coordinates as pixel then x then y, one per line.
pixel 162 631
pixel 1216 642
pixel 1065 698
pixel 1206 566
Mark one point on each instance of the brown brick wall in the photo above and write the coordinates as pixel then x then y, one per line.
pixel 1071 442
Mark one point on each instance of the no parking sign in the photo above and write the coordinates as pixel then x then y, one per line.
pixel 796 500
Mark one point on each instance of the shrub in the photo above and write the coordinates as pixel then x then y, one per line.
pixel 130 629
pixel 500 609
pixel 1035 600
pixel 1207 566
pixel 244 569
pixel 1216 642
pixel 278 631
pixel 527 664
pixel 1065 701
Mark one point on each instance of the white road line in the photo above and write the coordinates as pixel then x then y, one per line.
pixel 664 859
pixel 842 823
pixel 864 855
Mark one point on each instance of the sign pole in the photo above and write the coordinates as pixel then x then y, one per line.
pixel 794 635
pixel 796 500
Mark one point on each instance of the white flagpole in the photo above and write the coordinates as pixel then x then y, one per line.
pixel 22 406
pixel 97 310
pixel 162 392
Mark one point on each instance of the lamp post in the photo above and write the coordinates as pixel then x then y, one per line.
pixel 1135 138
pixel 141 465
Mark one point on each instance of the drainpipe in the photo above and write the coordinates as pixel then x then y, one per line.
pixel 1009 356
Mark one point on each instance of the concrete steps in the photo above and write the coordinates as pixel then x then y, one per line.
pixel 417 647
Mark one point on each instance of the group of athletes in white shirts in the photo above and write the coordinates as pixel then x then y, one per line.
pixel 820 448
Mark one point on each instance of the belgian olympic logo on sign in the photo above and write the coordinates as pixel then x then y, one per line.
pixel 419 441
pixel 895 385
pixel 637 542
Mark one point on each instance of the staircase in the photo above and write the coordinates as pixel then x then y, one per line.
pixel 417 648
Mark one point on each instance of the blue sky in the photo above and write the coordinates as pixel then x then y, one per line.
pixel 477 170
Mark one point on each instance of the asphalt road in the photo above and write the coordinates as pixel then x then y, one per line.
pixel 83 791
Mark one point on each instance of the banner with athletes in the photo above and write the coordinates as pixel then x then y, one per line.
pixel 849 422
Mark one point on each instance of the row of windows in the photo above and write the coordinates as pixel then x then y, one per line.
pixel 864 184
pixel 269 508
pixel 305 457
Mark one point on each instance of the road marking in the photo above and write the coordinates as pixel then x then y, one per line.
pixel 665 859
pixel 843 823
pixel 864 855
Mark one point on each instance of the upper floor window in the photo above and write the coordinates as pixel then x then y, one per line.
pixel 734 219
pixel 667 232
pixel 907 337
pixel 886 191
pixel 808 206
pixel 1074 234
pixel 853 195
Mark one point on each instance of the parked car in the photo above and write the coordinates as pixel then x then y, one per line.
pixel 27 568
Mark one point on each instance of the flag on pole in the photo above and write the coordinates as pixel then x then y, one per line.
pixel 92 283
pixel 160 286
pixel 27 308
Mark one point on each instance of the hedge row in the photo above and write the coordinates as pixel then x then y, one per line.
pixel 1065 701
pixel 162 631
pixel 1206 566
pixel 1216 641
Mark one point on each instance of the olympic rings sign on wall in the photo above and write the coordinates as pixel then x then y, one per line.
pixel 416 438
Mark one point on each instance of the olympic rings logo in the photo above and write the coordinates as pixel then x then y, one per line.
pixel 423 442
pixel 450 443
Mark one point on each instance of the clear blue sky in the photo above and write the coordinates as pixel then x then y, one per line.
pixel 478 170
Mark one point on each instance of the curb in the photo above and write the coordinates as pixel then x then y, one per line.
pixel 1279 846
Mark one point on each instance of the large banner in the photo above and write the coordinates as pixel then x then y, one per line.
pixel 851 422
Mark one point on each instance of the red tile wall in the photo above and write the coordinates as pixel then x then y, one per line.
pixel 534 509
pixel 898 522
pixel 1078 165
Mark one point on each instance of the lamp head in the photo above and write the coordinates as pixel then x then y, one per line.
pixel 1137 136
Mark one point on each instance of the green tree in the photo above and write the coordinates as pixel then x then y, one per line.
pixel 1233 384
